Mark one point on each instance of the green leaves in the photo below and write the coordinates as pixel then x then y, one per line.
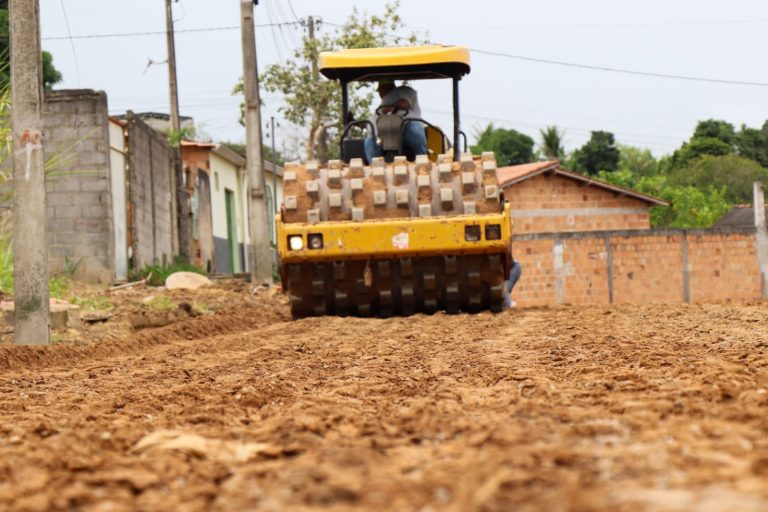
pixel 510 146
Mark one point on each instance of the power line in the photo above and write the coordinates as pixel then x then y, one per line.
pixel 604 25
pixel 619 70
pixel 592 67
pixel 71 42
pixel 155 33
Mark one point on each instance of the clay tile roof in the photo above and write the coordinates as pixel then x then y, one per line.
pixel 510 175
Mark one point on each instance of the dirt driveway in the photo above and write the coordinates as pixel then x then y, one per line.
pixel 657 408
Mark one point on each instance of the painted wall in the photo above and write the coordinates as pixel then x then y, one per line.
pixel 119 186
pixel 712 265
pixel 226 176
pixel 555 204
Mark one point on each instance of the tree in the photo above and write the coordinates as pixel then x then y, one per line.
pixel 639 162
pixel 598 154
pixel 552 143
pixel 510 146
pixel 753 144
pixel 51 75
pixel 711 137
pixel 312 101
pixel 733 173
pixel 715 129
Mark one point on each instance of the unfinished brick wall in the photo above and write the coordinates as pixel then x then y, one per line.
pixel 79 211
pixel 715 265
pixel 151 186
pixel 556 204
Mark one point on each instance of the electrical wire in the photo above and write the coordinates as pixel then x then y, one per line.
pixel 162 32
pixel 71 42
pixel 595 68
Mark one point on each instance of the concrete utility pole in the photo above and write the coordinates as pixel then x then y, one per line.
pixel 183 210
pixel 30 243
pixel 261 267
pixel 274 165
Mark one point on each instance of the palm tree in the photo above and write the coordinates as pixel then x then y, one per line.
pixel 552 143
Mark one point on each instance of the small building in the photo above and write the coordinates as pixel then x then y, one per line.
pixel 546 198
pixel 218 185
pixel 740 216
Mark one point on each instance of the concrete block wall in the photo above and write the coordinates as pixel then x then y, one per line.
pixel 79 212
pixel 671 266
pixel 555 204
pixel 151 191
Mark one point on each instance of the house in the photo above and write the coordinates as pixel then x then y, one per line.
pixel 546 198
pixel 740 216
pixel 218 185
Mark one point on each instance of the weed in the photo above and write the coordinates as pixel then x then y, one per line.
pixel 160 302
pixel 94 303
pixel 58 286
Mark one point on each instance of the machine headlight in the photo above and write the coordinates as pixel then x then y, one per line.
pixel 295 242
pixel 315 240
pixel 472 233
pixel 493 232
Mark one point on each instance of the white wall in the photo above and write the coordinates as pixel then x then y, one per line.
pixel 118 187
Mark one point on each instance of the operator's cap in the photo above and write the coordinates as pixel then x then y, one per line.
pixel 386 81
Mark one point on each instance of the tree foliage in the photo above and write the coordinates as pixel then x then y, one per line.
pixel 314 102
pixel 510 146
pixel 51 75
pixel 733 173
pixel 552 143
pixel 599 153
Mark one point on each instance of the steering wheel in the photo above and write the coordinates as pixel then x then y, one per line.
pixel 395 109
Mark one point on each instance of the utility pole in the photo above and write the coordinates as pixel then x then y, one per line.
pixel 318 143
pixel 30 246
pixel 182 210
pixel 274 166
pixel 261 265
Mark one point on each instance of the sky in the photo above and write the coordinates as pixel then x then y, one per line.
pixel 534 64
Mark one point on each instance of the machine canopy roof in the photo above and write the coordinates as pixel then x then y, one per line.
pixel 401 63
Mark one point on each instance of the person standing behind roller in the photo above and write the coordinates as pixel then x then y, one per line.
pixel 402 98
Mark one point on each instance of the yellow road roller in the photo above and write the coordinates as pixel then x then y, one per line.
pixel 400 233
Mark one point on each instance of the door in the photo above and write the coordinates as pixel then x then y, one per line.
pixel 229 200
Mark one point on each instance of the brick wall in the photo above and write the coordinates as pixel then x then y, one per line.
pixel 151 185
pixel 556 204
pixel 714 265
pixel 79 212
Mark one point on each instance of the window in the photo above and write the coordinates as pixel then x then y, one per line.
pixel 216 181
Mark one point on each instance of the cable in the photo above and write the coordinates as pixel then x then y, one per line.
pixel 71 42
pixel 597 68
pixel 609 25
pixel 156 33
pixel 619 70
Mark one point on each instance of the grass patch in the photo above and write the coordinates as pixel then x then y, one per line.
pixel 157 274
pixel 94 303
pixel 161 302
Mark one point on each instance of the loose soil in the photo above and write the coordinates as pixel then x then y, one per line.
pixel 624 408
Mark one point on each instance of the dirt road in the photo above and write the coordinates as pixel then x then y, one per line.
pixel 625 408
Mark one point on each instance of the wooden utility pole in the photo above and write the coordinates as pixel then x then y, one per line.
pixel 183 207
pixel 30 247
pixel 261 265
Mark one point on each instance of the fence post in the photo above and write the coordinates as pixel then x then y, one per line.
pixel 761 236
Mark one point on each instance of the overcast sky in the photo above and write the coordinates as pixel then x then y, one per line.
pixel 706 39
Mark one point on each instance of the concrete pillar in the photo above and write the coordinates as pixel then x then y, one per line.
pixel 761 237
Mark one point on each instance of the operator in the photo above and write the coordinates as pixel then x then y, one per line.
pixel 515 270
pixel 403 100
